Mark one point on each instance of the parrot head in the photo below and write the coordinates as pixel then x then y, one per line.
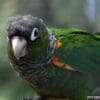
pixel 28 38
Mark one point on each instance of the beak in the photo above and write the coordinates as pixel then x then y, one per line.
pixel 19 45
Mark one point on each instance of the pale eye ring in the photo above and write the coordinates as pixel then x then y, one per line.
pixel 34 34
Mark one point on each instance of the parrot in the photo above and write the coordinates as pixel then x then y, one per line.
pixel 57 63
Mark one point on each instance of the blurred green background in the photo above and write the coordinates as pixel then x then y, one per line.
pixel 82 14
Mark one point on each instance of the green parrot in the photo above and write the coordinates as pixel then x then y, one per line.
pixel 60 64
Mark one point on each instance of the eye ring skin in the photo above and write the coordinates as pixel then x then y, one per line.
pixel 34 34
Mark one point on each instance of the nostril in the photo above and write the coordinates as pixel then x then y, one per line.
pixel 20 38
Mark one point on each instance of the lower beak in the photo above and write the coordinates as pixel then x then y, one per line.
pixel 19 45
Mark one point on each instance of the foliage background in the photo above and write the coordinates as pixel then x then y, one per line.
pixel 83 14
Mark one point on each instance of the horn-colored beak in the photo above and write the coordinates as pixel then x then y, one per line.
pixel 19 45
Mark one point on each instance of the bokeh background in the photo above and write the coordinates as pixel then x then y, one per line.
pixel 82 14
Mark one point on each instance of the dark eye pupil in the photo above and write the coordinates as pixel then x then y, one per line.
pixel 35 33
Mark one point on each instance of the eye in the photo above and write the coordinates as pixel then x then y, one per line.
pixel 34 34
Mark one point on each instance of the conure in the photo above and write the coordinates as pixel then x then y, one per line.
pixel 62 63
